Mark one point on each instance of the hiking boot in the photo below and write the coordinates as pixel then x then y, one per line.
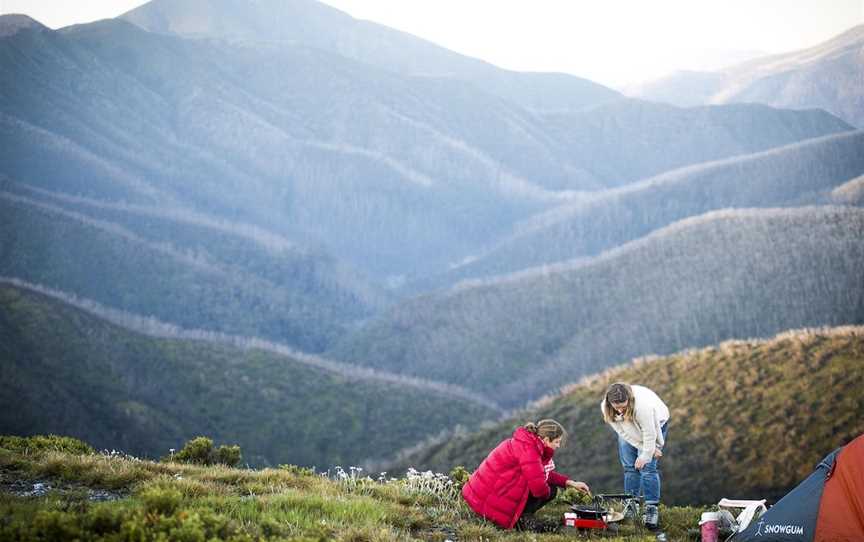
pixel 652 517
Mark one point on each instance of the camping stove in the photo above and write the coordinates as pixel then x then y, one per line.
pixel 597 515
pixel 580 521
pixel 583 516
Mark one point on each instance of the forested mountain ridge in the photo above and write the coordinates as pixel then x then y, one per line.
pixel 722 275
pixel 798 174
pixel 826 76
pixel 630 140
pixel 180 267
pixel 68 370
pixel 749 419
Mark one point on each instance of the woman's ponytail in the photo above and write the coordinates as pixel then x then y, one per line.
pixel 546 429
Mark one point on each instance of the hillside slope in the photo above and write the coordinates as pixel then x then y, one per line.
pixel 179 268
pixel 749 419
pixel 68 371
pixel 726 274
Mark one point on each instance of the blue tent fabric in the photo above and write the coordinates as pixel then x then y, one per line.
pixel 793 518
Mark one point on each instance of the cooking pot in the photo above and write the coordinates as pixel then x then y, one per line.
pixel 588 512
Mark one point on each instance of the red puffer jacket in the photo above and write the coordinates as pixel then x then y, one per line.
pixel 498 489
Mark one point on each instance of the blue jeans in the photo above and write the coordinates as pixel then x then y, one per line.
pixel 645 482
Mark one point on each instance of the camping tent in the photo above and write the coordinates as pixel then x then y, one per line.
pixel 826 507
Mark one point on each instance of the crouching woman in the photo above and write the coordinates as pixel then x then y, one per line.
pixel 518 476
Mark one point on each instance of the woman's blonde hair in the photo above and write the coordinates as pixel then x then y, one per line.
pixel 618 392
pixel 549 429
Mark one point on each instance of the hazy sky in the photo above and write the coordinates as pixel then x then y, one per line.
pixel 609 41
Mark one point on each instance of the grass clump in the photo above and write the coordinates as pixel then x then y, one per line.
pixel 45 443
pixel 100 470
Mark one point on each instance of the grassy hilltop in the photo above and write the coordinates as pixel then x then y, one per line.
pixel 143 500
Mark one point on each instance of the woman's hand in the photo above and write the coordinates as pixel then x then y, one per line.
pixel 579 486
pixel 642 462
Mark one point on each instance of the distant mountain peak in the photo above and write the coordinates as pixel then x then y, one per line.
pixel 317 25
pixel 266 20
pixel 12 23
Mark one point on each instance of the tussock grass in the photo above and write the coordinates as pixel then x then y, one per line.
pixel 100 470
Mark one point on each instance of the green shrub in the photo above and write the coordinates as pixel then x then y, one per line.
pixel 460 476
pixel 228 455
pixel 55 525
pixel 45 443
pixel 200 451
pixel 103 520
pixel 161 500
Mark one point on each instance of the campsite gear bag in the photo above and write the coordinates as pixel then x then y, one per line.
pixel 750 509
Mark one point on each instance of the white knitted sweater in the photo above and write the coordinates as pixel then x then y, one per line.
pixel 643 431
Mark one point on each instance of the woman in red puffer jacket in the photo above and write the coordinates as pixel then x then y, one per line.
pixel 519 476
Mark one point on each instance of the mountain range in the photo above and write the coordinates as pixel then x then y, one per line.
pixel 399 176
pixel 282 175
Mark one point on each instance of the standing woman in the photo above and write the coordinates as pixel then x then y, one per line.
pixel 518 476
pixel 641 419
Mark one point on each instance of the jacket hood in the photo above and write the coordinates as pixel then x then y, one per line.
pixel 523 435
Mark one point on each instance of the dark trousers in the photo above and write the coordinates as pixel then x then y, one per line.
pixel 535 504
